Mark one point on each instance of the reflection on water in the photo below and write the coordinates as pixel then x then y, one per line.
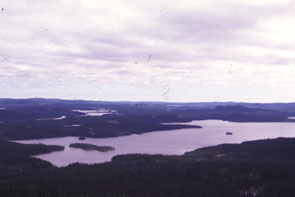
pixel 97 112
pixel 59 118
pixel 165 142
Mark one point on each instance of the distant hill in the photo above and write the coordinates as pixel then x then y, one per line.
pixel 39 118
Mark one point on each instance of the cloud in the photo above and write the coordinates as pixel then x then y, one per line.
pixel 50 46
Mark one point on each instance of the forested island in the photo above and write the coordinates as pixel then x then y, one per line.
pixel 90 147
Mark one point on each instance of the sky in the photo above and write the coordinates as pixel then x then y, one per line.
pixel 156 50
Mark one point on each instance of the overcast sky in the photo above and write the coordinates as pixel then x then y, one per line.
pixel 188 51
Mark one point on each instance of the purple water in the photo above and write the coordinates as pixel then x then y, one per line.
pixel 173 142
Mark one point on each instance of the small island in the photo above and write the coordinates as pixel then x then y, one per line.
pixel 82 138
pixel 89 147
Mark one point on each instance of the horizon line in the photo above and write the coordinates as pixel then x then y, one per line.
pixel 144 101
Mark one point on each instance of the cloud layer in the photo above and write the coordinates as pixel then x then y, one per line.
pixel 148 50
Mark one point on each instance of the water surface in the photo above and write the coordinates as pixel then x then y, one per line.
pixel 96 112
pixel 173 142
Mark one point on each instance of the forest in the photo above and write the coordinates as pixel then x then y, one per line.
pixel 36 118
pixel 255 168
pixel 198 173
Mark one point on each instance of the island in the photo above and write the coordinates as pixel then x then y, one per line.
pixel 89 147
pixel 82 138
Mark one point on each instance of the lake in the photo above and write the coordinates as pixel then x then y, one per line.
pixel 173 142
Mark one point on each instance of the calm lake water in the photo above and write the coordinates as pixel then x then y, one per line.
pixel 173 142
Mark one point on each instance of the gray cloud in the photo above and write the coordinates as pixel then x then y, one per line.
pixel 125 44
